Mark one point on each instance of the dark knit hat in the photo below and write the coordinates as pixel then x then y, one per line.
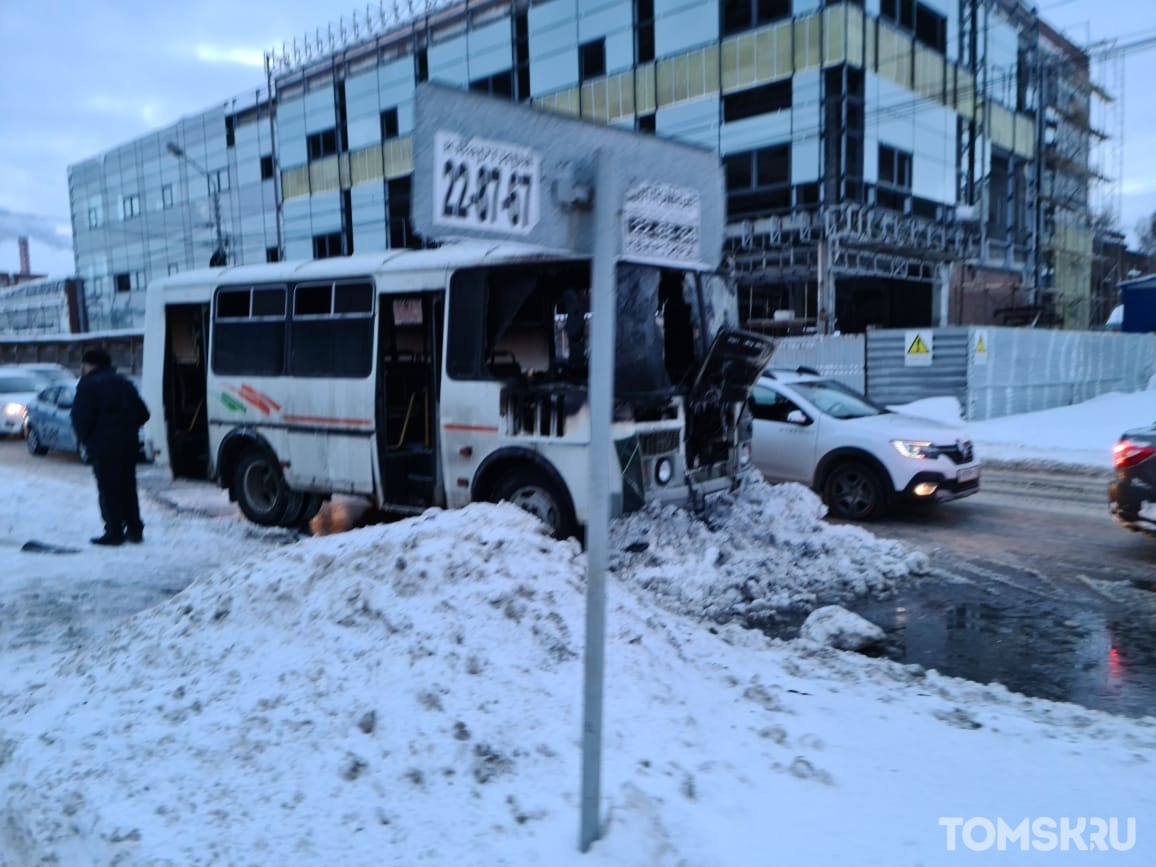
pixel 97 357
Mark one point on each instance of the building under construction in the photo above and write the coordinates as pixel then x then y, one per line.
pixel 888 162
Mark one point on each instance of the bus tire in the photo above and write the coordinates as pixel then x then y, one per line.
pixel 260 489
pixel 302 509
pixel 313 504
pixel 534 491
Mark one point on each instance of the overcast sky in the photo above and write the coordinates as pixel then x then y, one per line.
pixel 80 78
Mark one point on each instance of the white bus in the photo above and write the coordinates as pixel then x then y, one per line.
pixel 440 377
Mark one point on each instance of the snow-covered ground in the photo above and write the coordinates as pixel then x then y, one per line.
pixel 1081 436
pixel 412 694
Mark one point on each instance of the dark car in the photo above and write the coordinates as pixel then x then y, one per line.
pixel 48 425
pixel 1132 496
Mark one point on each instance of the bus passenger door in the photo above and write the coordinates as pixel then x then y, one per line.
pixel 185 413
pixel 409 358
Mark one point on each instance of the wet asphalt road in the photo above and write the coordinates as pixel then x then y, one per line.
pixel 1031 585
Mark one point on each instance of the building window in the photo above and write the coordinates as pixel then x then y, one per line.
pixel 389 127
pixel 930 28
pixel 130 206
pixel 522 56
pixel 498 84
pixel 266 167
pixel 924 23
pixel 167 196
pixel 94 221
pixel 739 15
pixel 592 59
pixel 758 182
pixel 174 268
pixel 894 178
pixel 127 281
pixel 322 144
pixel 399 194
pixel 894 167
pixel 421 65
pixel 272 254
pixel 644 31
pixel 327 246
pixel 756 101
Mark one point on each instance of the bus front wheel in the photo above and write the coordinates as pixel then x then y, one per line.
pixel 260 489
pixel 533 491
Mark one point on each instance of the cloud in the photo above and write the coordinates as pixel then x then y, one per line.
pixel 230 56
pixel 133 108
pixel 43 229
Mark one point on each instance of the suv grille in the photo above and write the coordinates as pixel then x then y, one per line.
pixel 658 442
pixel 960 453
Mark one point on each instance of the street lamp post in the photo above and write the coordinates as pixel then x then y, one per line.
pixel 218 258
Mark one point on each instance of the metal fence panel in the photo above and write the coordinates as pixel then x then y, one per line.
pixel 1027 370
pixel 896 374
pixel 839 356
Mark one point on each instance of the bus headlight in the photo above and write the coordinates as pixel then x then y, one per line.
pixel 663 471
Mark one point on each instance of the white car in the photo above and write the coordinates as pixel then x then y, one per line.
pixel 18 388
pixel 859 456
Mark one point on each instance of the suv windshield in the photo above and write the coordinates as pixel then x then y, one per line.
pixel 836 399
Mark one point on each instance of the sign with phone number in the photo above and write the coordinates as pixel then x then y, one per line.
pixel 485 185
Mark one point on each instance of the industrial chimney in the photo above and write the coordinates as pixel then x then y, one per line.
pixel 25 262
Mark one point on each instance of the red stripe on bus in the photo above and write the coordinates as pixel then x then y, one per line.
pixel 475 427
pixel 316 419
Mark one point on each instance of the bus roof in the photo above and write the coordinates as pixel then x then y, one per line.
pixel 454 255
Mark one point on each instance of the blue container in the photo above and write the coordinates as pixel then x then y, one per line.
pixel 1139 309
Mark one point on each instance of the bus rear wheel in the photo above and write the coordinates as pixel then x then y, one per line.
pixel 535 492
pixel 302 509
pixel 260 489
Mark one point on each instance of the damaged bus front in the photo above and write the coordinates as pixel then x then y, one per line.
pixel 683 372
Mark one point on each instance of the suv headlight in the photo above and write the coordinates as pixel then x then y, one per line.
pixel 917 449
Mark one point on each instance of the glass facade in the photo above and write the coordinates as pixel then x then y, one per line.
pixel 799 99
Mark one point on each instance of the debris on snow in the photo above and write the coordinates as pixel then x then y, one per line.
pixel 835 626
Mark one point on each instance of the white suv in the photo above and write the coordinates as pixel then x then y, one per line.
pixel 860 457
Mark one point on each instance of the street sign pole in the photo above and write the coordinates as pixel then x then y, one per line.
pixel 490 169
pixel 607 204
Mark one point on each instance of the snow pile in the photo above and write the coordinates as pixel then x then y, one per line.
pixel 352 680
pixel 766 549
pixel 835 626
pixel 412 694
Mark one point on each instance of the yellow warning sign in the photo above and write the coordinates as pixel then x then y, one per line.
pixel 980 355
pixel 920 348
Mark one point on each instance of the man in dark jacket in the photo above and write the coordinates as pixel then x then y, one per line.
pixel 107 415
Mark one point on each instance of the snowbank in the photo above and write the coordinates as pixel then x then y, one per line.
pixel 411 694
pixel 766 549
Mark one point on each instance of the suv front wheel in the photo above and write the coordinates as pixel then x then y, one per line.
pixel 853 491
